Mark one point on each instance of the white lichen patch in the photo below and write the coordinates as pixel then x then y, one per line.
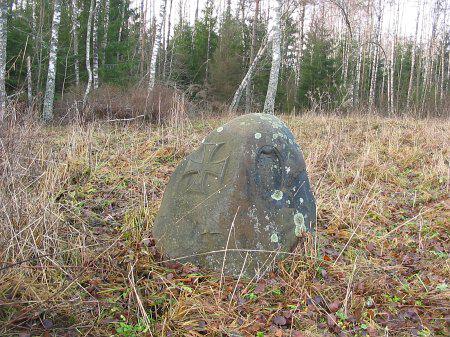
pixel 299 221
pixel 288 169
pixel 301 200
pixel 220 129
pixel 288 202
pixel 257 135
pixel 277 195
pixel 274 237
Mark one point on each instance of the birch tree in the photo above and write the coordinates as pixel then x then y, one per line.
pixel 3 37
pixel 75 27
pixel 142 35
pixel 95 44
pixel 105 31
pixel 88 53
pixel 209 5
pixel 49 97
pixel 376 45
pixel 156 46
pixel 269 104
pixel 166 47
pixel 238 94
pixel 29 87
pixel 413 59
pixel 248 94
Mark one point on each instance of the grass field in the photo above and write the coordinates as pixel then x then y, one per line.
pixel 77 205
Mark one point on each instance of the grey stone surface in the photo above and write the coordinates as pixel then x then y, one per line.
pixel 245 189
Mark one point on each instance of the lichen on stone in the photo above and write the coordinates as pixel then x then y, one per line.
pixel 299 221
pixel 274 237
pixel 257 135
pixel 220 129
pixel 277 195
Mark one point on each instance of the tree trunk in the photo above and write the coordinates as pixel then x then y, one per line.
pixel 166 47
pixel 413 60
pixel 142 39
pixel 208 47
pixel 429 61
pixel 49 97
pixel 105 31
pixel 373 78
pixel 88 53
pixel 238 94
pixel 29 87
pixel 121 23
pixel 298 67
pixel 195 25
pixel 248 93
pixel 40 49
pixel 75 26
pixel 358 70
pixel 269 104
pixel 156 45
pixel 95 43
pixel 443 45
pixel 3 38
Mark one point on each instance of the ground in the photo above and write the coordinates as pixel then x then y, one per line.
pixel 77 205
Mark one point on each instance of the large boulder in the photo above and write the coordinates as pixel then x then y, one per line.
pixel 244 190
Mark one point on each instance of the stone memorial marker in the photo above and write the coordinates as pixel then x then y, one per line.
pixel 244 190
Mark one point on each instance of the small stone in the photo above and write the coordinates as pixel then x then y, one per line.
pixel 239 195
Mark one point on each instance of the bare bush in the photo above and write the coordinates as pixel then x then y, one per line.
pixel 115 103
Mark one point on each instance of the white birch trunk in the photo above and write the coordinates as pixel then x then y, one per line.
pixel 166 46
pixel 248 93
pixel 447 88
pixel 29 87
pixel 142 36
pixel 269 104
pixel 75 27
pixel 95 44
pixel 122 18
pixel 33 18
pixel 208 47
pixel 413 60
pixel 238 94
pixel 298 68
pixel 47 113
pixel 156 45
pixel 443 45
pixel 373 78
pixel 391 97
pixel 105 31
pixel 358 70
pixel 3 38
pixel 88 54
pixel 194 26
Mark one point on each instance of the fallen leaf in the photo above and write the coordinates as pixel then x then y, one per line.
pixel 279 320
pixel 334 306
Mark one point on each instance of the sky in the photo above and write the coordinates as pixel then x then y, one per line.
pixel 407 23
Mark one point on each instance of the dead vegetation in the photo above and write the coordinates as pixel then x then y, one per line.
pixel 77 257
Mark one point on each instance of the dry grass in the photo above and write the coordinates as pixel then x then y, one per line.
pixel 77 205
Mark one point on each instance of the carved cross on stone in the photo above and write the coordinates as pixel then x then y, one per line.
pixel 199 169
